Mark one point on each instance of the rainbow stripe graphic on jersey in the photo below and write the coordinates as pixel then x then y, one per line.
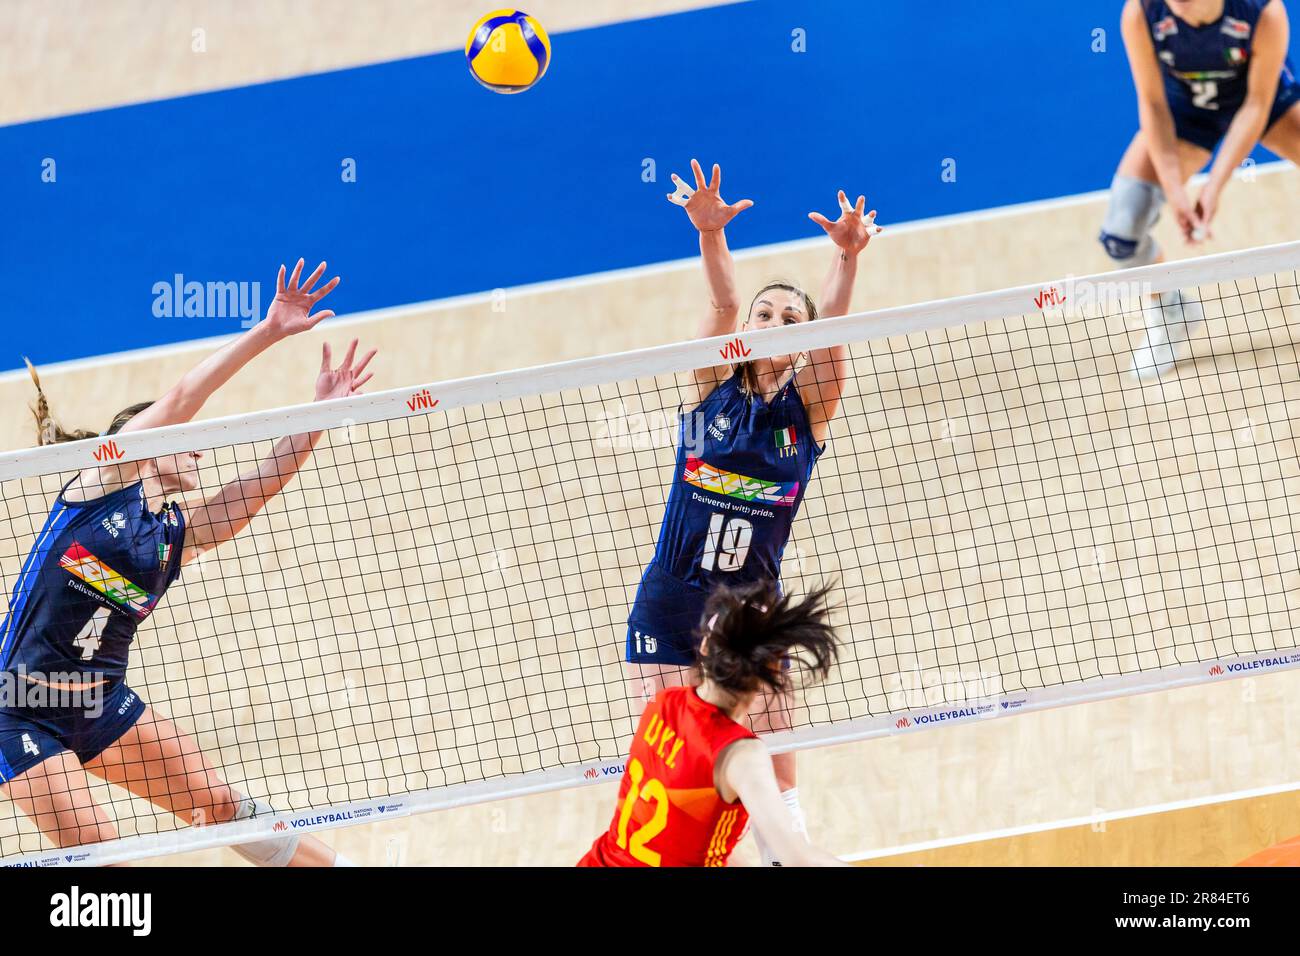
pixel 703 475
pixel 81 563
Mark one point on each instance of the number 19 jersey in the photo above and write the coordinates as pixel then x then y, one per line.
pixel 743 466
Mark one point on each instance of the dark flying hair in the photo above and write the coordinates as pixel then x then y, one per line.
pixel 753 635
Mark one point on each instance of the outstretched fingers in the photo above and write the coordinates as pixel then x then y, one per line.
pixel 324 290
pixel 325 357
pixel 683 193
pixel 352 353
pixel 699 174
pixel 312 279
pixel 293 278
pixel 364 362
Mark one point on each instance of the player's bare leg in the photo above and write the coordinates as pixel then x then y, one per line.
pixel 646 680
pixel 1283 137
pixel 55 796
pixel 1171 317
pixel 159 762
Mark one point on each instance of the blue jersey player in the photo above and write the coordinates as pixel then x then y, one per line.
pixel 115 539
pixel 745 453
pixel 1208 73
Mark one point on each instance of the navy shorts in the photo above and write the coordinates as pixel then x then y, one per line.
pixel 663 626
pixel 29 735
pixel 1205 127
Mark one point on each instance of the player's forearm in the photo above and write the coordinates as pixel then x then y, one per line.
pixel 792 848
pixel 228 512
pixel 1243 133
pixel 198 384
pixel 837 290
pixel 1158 126
pixel 719 271
pixel 278 468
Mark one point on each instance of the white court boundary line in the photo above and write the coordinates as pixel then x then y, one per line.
pixel 677 357
pixel 610 276
pixel 562 778
pixel 1091 820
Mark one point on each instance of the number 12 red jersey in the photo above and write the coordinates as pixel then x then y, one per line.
pixel 669 813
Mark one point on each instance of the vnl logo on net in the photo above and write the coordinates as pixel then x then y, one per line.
pixel 1237 667
pixel 190 299
pixel 925 695
pixel 1085 295
pixel 601 772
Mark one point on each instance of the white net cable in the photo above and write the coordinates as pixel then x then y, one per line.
pixel 433 611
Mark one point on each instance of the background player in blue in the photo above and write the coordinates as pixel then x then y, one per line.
pixel 745 454
pixel 114 541
pixel 1208 73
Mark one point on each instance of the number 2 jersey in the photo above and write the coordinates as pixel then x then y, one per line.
pixel 96 570
pixel 1206 68
pixel 743 465
pixel 669 813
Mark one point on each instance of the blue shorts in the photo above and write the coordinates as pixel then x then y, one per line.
pixel 29 735
pixel 663 626
pixel 1205 127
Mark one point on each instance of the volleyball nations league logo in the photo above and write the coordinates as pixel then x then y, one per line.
pixel 421 401
pixel 735 349
pixel 108 451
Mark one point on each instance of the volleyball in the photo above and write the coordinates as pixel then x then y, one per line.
pixel 508 51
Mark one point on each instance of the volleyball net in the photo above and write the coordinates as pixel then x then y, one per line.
pixel 433 611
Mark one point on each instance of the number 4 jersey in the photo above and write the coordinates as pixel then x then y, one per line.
pixel 742 468
pixel 669 813
pixel 95 571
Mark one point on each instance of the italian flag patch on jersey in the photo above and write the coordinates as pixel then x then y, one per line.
pixel 786 441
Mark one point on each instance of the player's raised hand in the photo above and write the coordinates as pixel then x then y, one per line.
pixel 852 231
pixel 345 380
pixel 704 204
pixel 290 313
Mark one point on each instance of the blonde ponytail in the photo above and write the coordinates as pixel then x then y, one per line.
pixel 48 431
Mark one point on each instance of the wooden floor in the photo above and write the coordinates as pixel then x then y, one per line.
pixel 1019 771
pixel 1219 834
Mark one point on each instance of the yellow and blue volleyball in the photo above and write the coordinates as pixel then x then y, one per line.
pixel 508 51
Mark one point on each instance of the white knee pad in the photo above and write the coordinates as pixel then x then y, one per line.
pixel 1126 232
pixel 277 851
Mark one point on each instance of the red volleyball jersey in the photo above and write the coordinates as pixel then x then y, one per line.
pixel 669 813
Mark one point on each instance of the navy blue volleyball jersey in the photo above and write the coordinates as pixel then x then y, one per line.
pixel 1206 67
pixel 742 469
pixel 97 569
